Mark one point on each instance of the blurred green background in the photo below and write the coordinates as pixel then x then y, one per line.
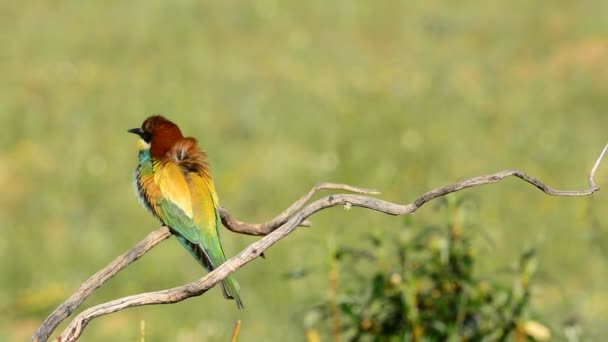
pixel 401 96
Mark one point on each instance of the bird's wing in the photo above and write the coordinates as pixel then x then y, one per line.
pixel 174 205
pixel 203 199
pixel 188 202
pixel 206 215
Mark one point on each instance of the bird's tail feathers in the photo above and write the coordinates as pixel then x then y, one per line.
pixel 231 291
pixel 230 287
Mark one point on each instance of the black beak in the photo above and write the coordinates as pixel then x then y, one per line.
pixel 137 131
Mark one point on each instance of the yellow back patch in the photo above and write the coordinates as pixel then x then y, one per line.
pixel 173 186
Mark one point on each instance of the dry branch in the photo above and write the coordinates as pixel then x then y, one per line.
pixel 95 281
pixel 275 229
pixel 260 229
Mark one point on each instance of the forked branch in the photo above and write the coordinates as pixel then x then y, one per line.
pixel 275 230
pixel 154 238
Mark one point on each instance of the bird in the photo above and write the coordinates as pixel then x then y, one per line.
pixel 173 181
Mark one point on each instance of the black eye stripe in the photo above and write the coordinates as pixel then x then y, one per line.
pixel 146 136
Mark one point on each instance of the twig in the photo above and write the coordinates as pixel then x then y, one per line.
pixel 260 229
pixel 294 216
pixel 236 331
pixel 142 331
pixel 334 312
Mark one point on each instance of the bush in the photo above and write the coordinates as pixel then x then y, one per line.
pixel 421 284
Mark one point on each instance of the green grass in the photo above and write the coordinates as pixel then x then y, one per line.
pixel 399 96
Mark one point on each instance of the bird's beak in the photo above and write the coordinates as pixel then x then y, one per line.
pixel 137 131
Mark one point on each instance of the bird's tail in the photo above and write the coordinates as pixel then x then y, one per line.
pixel 231 290
pixel 230 287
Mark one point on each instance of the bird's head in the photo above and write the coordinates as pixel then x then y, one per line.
pixel 157 134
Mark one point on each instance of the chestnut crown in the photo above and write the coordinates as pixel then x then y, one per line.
pixel 160 133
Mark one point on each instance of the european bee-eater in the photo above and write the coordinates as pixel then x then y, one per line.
pixel 174 183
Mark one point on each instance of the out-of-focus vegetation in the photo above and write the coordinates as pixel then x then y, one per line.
pixel 399 96
pixel 408 284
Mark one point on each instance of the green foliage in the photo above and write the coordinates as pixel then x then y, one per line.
pixel 421 283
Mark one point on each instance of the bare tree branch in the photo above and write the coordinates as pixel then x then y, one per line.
pixel 287 222
pixel 95 281
pixel 267 227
